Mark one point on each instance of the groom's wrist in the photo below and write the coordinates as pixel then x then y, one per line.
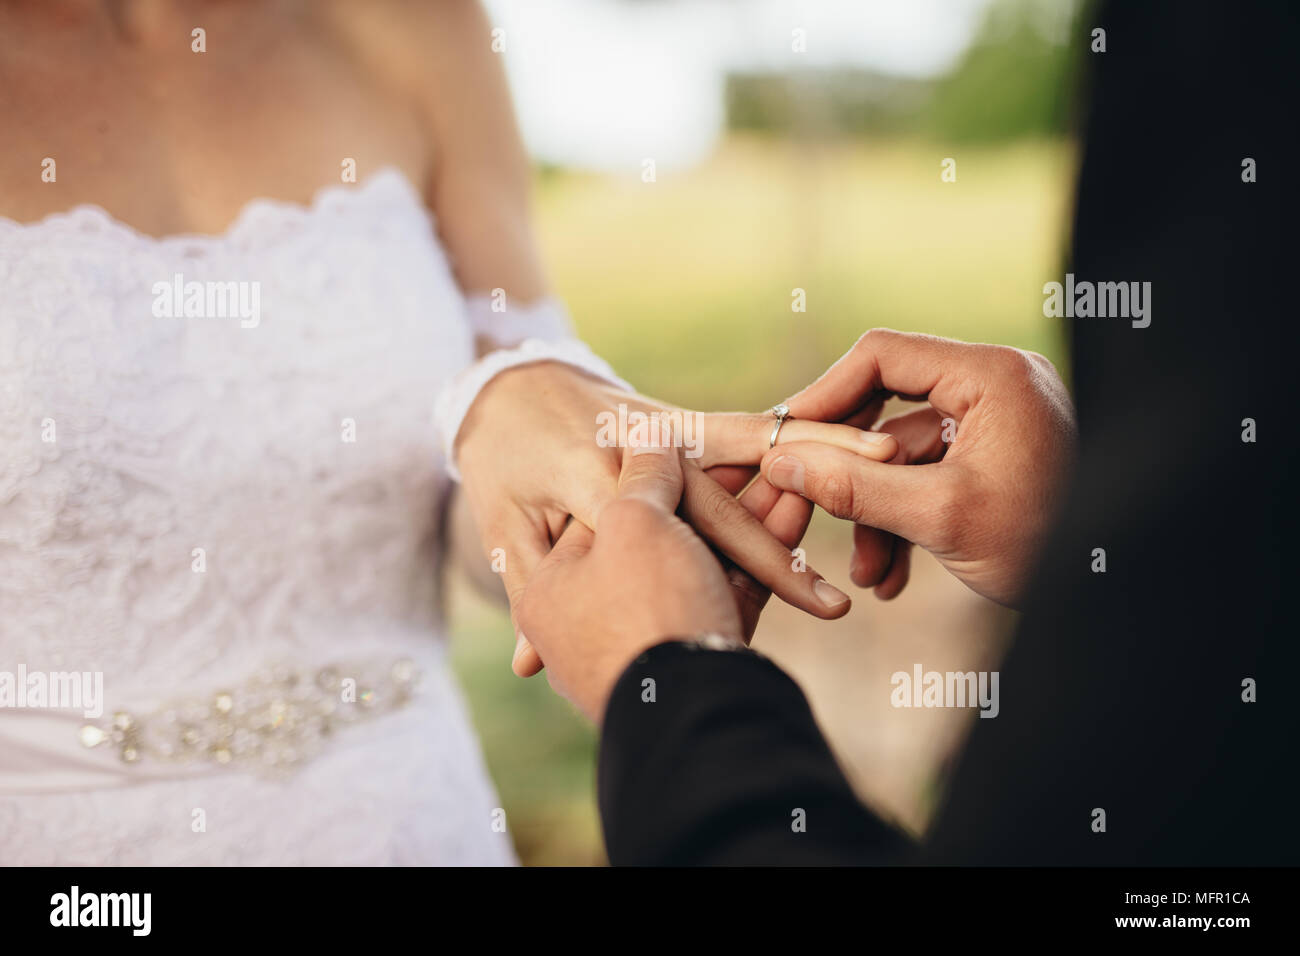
pixel 668 651
pixel 671 646
pixel 707 641
pixel 619 666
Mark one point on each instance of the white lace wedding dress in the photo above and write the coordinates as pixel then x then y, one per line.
pixel 230 523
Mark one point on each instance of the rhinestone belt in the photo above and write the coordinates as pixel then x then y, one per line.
pixel 272 722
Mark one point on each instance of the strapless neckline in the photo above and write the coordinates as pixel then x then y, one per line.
pixel 89 218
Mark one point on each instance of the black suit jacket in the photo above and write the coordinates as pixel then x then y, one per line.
pixel 1124 690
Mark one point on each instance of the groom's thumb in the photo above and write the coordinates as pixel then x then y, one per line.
pixel 904 499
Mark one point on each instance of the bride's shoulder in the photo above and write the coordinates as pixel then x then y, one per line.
pixel 440 55
pixel 413 37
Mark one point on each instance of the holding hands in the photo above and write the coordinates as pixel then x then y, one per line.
pixel 529 453
pixel 973 477
pixel 599 599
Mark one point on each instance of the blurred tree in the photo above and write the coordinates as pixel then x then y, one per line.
pixel 1017 79
pixel 835 102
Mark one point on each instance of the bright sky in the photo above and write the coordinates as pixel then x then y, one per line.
pixel 608 83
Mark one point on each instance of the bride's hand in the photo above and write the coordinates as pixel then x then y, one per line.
pixel 530 455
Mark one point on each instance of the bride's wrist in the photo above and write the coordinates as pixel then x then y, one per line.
pixel 499 401
pixel 459 398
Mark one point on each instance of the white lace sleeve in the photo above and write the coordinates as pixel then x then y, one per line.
pixel 541 332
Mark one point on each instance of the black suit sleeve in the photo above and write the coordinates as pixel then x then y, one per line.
pixel 713 757
pixel 1127 734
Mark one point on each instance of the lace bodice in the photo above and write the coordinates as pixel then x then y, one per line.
pixel 187 500
pixel 186 496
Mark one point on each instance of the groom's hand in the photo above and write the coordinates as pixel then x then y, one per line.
pixel 983 462
pixel 598 600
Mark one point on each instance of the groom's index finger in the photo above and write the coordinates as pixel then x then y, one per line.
pixel 883 362
pixel 652 468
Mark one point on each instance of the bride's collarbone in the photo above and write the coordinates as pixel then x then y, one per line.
pixel 179 153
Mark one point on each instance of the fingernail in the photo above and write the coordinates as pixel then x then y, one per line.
pixel 828 594
pixel 874 438
pixel 787 472
pixel 520 643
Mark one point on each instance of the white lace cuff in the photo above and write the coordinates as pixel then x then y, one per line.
pixel 507 325
pixel 458 395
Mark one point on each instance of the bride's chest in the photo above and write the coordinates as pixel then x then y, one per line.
pixel 175 140
pixel 303 345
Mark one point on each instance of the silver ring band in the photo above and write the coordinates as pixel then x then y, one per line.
pixel 782 412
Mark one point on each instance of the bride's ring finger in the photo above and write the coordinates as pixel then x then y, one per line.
pixel 732 529
pixel 741 439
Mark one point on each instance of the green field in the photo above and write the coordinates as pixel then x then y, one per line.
pixel 685 286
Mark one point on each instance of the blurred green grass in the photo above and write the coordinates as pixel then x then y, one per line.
pixel 685 286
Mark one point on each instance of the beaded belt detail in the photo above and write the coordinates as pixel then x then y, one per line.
pixel 273 722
